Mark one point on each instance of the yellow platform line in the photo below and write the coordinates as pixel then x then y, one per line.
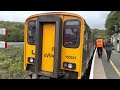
pixel 115 68
pixel 113 65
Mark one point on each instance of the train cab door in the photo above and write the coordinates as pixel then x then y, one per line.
pixel 48 45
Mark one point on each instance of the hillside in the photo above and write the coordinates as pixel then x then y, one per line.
pixel 102 33
pixel 15 31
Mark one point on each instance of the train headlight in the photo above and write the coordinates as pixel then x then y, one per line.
pixel 70 65
pixel 31 60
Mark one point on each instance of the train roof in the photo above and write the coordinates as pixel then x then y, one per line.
pixel 56 13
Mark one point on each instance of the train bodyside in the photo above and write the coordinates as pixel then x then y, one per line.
pixel 88 48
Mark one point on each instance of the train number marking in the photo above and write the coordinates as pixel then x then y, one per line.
pixel 70 57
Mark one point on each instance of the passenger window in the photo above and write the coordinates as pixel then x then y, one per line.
pixel 71 34
pixel 31 32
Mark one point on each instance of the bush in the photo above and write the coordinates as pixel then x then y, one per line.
pixel 11 63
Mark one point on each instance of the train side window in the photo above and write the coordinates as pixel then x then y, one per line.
pixel 31 31
pixel 71 38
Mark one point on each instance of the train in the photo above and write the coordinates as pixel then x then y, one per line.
pixel 58 45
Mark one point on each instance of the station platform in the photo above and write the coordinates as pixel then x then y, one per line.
pixel 102 69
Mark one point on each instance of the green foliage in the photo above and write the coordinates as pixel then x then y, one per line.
pixel 112 19
pixel 15 31
pixel 11 63
pixel 101 33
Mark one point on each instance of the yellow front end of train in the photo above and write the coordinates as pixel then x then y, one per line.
pixel 53 45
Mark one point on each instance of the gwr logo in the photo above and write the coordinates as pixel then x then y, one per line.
pixel 49 55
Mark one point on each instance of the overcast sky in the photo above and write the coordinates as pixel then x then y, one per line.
pixel 95 19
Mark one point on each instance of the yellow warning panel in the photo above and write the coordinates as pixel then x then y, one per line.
pixel 48 47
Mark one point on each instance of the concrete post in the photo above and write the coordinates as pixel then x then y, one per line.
pixel 3 31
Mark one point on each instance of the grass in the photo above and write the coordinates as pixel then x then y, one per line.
pixel 11 63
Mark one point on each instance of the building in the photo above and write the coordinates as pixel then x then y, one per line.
pixel 115 38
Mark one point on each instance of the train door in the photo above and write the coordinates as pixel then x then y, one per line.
pixel 48 46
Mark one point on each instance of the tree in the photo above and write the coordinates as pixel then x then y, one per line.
pixel 112 19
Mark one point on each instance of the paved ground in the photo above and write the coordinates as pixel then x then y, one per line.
pixel 115 58
pixel 99 72
pixel 102 69
pixel 109 67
